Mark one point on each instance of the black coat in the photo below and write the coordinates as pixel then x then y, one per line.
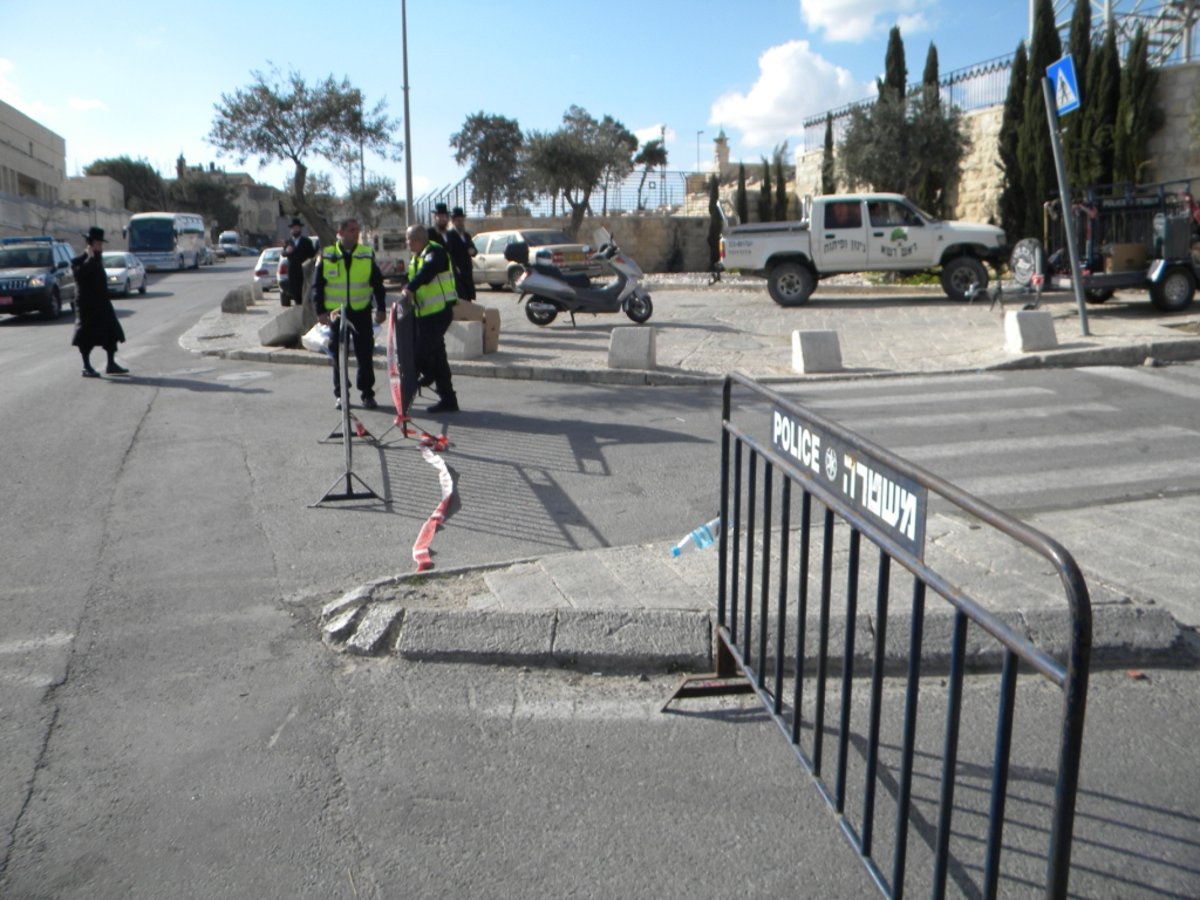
pixel 459 247
pixel 96 323
pixel 297 254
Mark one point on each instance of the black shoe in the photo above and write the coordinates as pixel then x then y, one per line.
pixel 113 369
pixel 89 372
pixel 444 406
pixel 369 402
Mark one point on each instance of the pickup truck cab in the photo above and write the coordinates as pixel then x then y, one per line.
pixel 861 233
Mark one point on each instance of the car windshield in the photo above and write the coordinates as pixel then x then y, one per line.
pixel 25 258
pixel 544 238
pixel 114 261
pixel 270 255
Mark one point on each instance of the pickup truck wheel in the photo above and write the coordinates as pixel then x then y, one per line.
pixel 960 273
pixel 1174 291
pixel 790 284
pixel 1098 295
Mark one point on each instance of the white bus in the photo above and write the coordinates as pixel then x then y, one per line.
pixel 166 240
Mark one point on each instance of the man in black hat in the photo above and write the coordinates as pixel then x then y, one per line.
pixel 441 221
pixel 461 249
pixel 95 319
pixel 298 249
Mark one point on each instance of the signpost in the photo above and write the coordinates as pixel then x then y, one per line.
pixel 1061 90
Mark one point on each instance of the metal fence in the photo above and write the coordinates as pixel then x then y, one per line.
pixel 974 87
pixel 858 495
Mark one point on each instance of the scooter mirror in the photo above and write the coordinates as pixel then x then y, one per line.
pixel 601 236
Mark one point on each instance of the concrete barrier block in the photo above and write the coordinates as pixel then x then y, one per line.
pixel 464 340
pixel 631 347
pixel 816 351
pixel 283 330
pixel 239 299
pixel 1029 330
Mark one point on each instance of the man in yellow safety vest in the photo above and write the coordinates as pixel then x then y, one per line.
pixel 346 273
pixel 430 289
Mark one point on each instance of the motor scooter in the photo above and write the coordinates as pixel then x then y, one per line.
pixel 547 290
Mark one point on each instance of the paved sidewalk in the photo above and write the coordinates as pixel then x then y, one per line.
pixel 633 607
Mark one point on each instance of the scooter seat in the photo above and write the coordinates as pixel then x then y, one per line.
pixel 577 281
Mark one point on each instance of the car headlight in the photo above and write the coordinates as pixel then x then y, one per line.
pixel 113 279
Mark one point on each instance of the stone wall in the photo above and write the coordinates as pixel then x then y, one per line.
pixel 1174 154
pixel 21 216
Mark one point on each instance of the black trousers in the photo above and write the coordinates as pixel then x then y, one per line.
pixel 431 350
pixel 362 336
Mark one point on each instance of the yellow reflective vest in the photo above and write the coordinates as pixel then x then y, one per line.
pixel 352 284
pixel 433 297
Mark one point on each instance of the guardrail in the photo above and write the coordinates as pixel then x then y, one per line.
pixel 883 499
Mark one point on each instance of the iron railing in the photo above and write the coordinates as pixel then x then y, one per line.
pixel 847 484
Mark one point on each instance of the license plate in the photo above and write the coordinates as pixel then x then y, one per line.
pixel 6 301
pixel 573 256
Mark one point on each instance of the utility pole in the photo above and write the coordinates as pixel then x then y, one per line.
pixel 408 196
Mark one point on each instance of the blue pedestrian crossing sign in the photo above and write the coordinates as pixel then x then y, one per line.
pixel 1065 84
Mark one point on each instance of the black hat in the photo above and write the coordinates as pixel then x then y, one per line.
pixel 441 208
pixel 95 234
pixel 457 212
pixel 295 221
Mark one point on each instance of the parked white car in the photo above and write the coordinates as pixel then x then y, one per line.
pixel 125 273
pixel 265 270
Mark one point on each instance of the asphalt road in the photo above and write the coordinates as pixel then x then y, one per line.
pixel 170 725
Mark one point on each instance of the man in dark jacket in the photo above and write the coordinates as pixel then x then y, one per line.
pixel 298 249
pixel 461 250
pixel 429 290
pixel 96 322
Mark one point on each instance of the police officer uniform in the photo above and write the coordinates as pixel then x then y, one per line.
pixel 351 275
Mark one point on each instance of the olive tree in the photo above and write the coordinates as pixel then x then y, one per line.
pixel 282 118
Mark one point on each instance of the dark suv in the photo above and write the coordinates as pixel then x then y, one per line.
pixel 35 274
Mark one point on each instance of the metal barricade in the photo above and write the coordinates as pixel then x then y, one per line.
pixel 883 499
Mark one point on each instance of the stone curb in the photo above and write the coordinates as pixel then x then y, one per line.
pixel 672 639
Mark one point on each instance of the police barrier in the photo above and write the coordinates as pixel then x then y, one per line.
pixel 870 493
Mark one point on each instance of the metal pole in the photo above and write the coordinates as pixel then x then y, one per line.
pixel 408 195
pixel 1064 193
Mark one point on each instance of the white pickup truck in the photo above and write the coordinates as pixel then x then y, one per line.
pixel 861 233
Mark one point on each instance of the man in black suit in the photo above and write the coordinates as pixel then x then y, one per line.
pixel 298 249
pixel 461 249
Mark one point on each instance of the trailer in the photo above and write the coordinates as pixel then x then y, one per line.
pixel 1128 237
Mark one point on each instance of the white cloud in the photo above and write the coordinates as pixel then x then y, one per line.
pixel 80 105
pixel 856 20
pixel 794 83
pixel 653 133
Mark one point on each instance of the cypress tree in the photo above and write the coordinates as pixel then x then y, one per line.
pixel 931 177
pixel 741 204
pixel 828 173
pixel 1012 194
pixel 714 222
pixel 780 212
pixel 1034 152
pixel 764 193
pixel 1104 96
pixel 895 72
pixel 1074 132
pixel 1137 116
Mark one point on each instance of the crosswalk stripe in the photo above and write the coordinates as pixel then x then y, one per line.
pixel 974 416
pixel 1015 447
pixel 1145 380
pixel 915 399
pixel 1076 477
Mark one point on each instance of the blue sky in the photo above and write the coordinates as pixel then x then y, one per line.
pixel 141 78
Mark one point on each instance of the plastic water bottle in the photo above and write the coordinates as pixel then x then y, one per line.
pixel 704 536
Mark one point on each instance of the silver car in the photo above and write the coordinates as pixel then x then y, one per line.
pixel 125 272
